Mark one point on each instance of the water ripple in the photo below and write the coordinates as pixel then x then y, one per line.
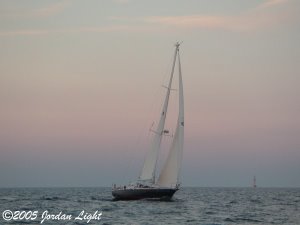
pixel 204 206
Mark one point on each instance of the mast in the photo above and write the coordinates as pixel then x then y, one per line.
pixel 148 171
pixel 254 182
pixel 169 175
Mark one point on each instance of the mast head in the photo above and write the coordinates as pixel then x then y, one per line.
pixel 177 44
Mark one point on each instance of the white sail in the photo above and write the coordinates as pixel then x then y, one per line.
pixel 148 171
pixel 169 175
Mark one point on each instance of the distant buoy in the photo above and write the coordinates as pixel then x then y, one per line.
pixel 254 182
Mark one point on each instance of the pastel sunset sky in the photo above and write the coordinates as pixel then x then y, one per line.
pixel 80 85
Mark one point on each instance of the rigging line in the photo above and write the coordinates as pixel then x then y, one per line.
pixel 156 107
pixel 165 109
pixel 165 79
pixel 167 101
pixel 153 110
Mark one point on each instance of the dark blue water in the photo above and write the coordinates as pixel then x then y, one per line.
pixel 206 206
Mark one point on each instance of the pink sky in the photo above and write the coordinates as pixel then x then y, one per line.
pixel 80 94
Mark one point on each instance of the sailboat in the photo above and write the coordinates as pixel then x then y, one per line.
pixel 167 183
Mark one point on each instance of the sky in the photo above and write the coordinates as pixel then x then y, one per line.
pixel 80 85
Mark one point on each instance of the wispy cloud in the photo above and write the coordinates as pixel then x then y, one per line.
pixel 48 10
pixel 271 3
pixel 257 18
pixel 248 21
pixel 52 9
pixel 103 29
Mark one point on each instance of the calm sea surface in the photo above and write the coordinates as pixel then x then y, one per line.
pixel 206 206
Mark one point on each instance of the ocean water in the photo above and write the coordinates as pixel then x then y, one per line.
pixel 206 206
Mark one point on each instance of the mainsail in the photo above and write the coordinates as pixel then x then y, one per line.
pixel 170 173
pixel 148 171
